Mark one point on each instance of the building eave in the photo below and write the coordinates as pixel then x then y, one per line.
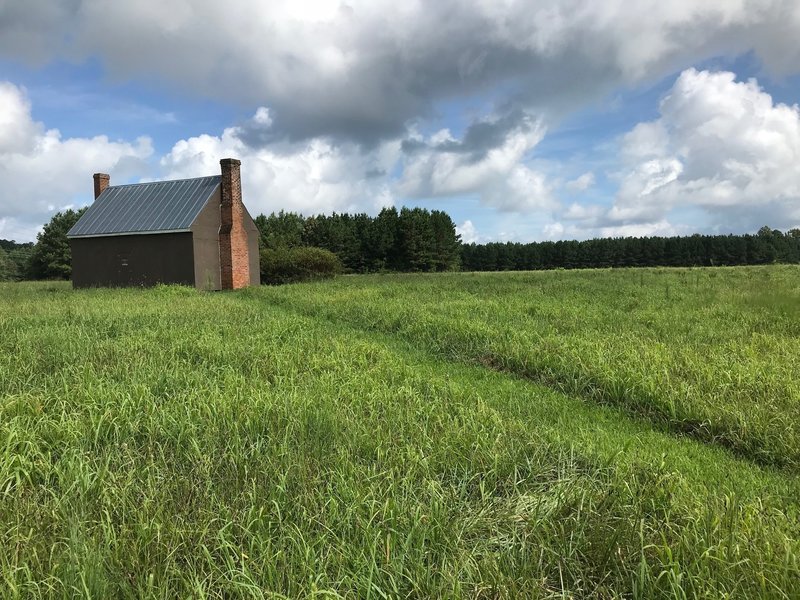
pixel 96 235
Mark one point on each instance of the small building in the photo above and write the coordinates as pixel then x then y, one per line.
pixel 190 231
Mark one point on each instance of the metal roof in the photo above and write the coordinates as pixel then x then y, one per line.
pixel 157 207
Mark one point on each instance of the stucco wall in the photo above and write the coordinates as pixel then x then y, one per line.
pixel 205 237
pixel 252 247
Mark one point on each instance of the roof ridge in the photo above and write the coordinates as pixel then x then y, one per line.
pixel 163 181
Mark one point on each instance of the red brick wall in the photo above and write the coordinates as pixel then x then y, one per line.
pixel 234 258
pixel 101 181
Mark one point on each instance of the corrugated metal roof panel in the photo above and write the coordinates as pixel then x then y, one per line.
pixel 160 206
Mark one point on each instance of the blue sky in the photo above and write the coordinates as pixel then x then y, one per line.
pixel 524 121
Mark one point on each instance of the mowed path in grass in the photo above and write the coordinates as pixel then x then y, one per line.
pixel 283 442
pixel 709 353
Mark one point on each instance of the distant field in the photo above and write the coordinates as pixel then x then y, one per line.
pixel 621 433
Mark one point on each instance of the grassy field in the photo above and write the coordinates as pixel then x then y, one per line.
pixel 710 353
pixel 560 434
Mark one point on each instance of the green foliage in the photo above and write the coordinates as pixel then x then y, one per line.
pixel 51 257
pixel 290 265
pixel 412 240
pixel 415 234
pixel 166 443
pixel 8 270
pixel 282 230
pixel 767 246
pixel 383 245
pixel 14 260
pixel 336 233
pixel 446 244
pixel 21 258
pixel 9 245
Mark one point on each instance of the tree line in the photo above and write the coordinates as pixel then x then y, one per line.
pixel 14 260
pixel 412 239
pixel 48 258
pixel 416 239
pixel 767 246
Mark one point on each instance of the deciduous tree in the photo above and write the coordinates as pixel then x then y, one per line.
pixel 51 257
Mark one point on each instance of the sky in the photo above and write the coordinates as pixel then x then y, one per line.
pixel 525 121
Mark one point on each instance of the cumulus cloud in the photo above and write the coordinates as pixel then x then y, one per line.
pixel 42 172
pixel 581 183
pixel 553 230
pixel 310 177
pixel 468 232
pixel 720 145
pixel 362 70
pixel 495 171
pixel 722 156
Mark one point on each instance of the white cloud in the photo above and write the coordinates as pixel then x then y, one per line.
pixel 500 178
pixel 721 151
pixel 262 117
pixel 553 230
pixel 18 133
pixel 580 184
pixel 310 177
pixel 590 229
pixel 469 234
pixel 41 172
pixel 657 228
pixel 584 212
pixel 720 147
pixel 646 141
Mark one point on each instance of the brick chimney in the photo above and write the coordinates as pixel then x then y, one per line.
pixel 233 250
pixel 100 183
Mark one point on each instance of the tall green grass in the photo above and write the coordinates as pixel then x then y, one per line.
pixel 168 443
pixel 710 353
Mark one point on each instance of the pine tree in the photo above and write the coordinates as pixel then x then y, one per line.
pixel 416 239
pixel 446 243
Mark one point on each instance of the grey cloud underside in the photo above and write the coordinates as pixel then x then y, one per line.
pixel 378 100
pixel 31 30
pixel 479 138
pixel 256 135
pixel 374 107
pixel 375 173
pixel 393 64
